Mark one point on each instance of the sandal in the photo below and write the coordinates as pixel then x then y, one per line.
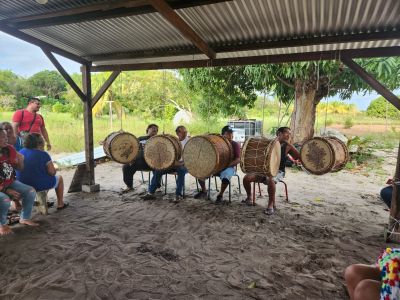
pixel 66 204
pixel 126 190
pixel 247 201
pixel 269 211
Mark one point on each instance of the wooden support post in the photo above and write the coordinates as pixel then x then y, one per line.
pixel 89 185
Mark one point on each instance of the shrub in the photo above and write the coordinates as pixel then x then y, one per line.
pixel 348 123
pixel 59 108
pixel 8 102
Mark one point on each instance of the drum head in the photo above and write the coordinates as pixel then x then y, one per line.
pixel 317 156
pixel 273 158
pixel 200 157
pixel 160 152
pixel 123 147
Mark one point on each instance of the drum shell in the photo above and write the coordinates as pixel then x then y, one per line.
pixel 122 147
pixel 162 152
pixel 261 156
pixel 321 155
pixel 206 155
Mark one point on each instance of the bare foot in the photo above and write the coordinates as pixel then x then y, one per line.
pixel 28 222
pixel 5 229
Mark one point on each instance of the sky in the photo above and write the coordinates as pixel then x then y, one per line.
pixel 25 59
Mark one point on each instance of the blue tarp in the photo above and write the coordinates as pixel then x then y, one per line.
pixel 79 158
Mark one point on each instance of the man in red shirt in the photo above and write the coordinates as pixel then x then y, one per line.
pixel 25 121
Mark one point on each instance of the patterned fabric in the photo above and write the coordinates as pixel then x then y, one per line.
pixel 7 162
pixel 389 265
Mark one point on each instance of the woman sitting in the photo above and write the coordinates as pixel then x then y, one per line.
pixel 12 189
pixel 13 139
pixel 39 171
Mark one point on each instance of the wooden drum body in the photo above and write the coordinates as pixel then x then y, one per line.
pixel 261 156
pixel 321 155
pixel 162 152
pixel 205 155
pixel 122 147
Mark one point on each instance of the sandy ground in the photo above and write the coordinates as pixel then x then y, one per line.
pixel 108 246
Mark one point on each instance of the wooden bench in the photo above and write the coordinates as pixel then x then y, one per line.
pixel 78 160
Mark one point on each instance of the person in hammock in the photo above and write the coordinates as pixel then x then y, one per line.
pixel 283 135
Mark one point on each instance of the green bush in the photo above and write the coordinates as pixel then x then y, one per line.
pixel 348 123
pixel 381 108
pixel 59 108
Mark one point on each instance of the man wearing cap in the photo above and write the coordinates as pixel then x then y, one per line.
pixel 26 121
pixel 225 174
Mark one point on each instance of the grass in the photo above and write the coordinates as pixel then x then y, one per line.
pixel 67 133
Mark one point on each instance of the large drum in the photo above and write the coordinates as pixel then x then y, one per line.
pixel 261 156
pixel 205 155
pixel 122 147
pixel 162 151
pixel 321 155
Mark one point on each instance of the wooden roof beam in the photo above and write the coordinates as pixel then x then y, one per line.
pixel 115 9
pixel 371 81
pixel 306 41
pixel 265 59
pixel 35 41
pixel 168 13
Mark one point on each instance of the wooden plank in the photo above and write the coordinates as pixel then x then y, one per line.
pixel 371 81
pixel 94 12
pixel 88 123
pixel 307 41
pixel 105 87
pixel 30 39
pixel 250 60
pixel 168 13
pixel 64 74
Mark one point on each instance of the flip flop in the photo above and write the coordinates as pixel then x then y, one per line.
pixel 248 202
pixel 269 211
pixel 126 190
pixel 66 204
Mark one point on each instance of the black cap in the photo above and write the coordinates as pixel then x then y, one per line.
pixel 226 128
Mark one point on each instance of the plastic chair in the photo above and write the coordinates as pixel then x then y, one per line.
pixel 216 186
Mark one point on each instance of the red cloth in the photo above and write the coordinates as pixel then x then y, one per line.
pixel 8 161
pixel 27 120
pixel 236 149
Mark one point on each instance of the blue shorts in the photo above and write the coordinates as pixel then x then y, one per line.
pixel 227 173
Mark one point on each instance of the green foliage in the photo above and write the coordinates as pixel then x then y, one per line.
pixel 382 108
pixel 59 108
pixel 7 102
pixel 348 123
pixel 48 83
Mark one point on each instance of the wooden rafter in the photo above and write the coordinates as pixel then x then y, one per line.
pixel 115 9
pixel 168 13
pixel 307 41
pixel 105 87
pixel 371 81
pixel 30 39
pixel 265 59
pixel 64 74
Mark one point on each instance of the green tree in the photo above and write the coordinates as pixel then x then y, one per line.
pixel 304 83
pixel 49 83
pixel 381 108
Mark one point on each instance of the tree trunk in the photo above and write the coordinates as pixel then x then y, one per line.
pixel 303 115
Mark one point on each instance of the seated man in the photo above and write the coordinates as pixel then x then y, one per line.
pixel 283 135
pixel 139 164
pixel 180 169
pixel 386 193
pixel 13 139
pixel 226 174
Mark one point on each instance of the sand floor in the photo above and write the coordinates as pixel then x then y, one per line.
pixel 108 246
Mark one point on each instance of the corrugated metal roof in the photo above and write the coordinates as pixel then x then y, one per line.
pixel 231 23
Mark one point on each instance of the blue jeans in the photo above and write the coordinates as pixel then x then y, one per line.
pixel 28 195
pixel 180 181
pixel 386 194
pixel 5 202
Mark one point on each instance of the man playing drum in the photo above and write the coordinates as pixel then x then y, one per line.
pixel 139 164
pixel 283 136
pixel 180 169
pixel 225 174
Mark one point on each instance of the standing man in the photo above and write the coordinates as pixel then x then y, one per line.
pixel 128 170
pixel 180 169
pixel 225 174
pixel 283 135
pixel 26 121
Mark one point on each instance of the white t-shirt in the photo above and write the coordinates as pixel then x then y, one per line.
pixel 183 143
